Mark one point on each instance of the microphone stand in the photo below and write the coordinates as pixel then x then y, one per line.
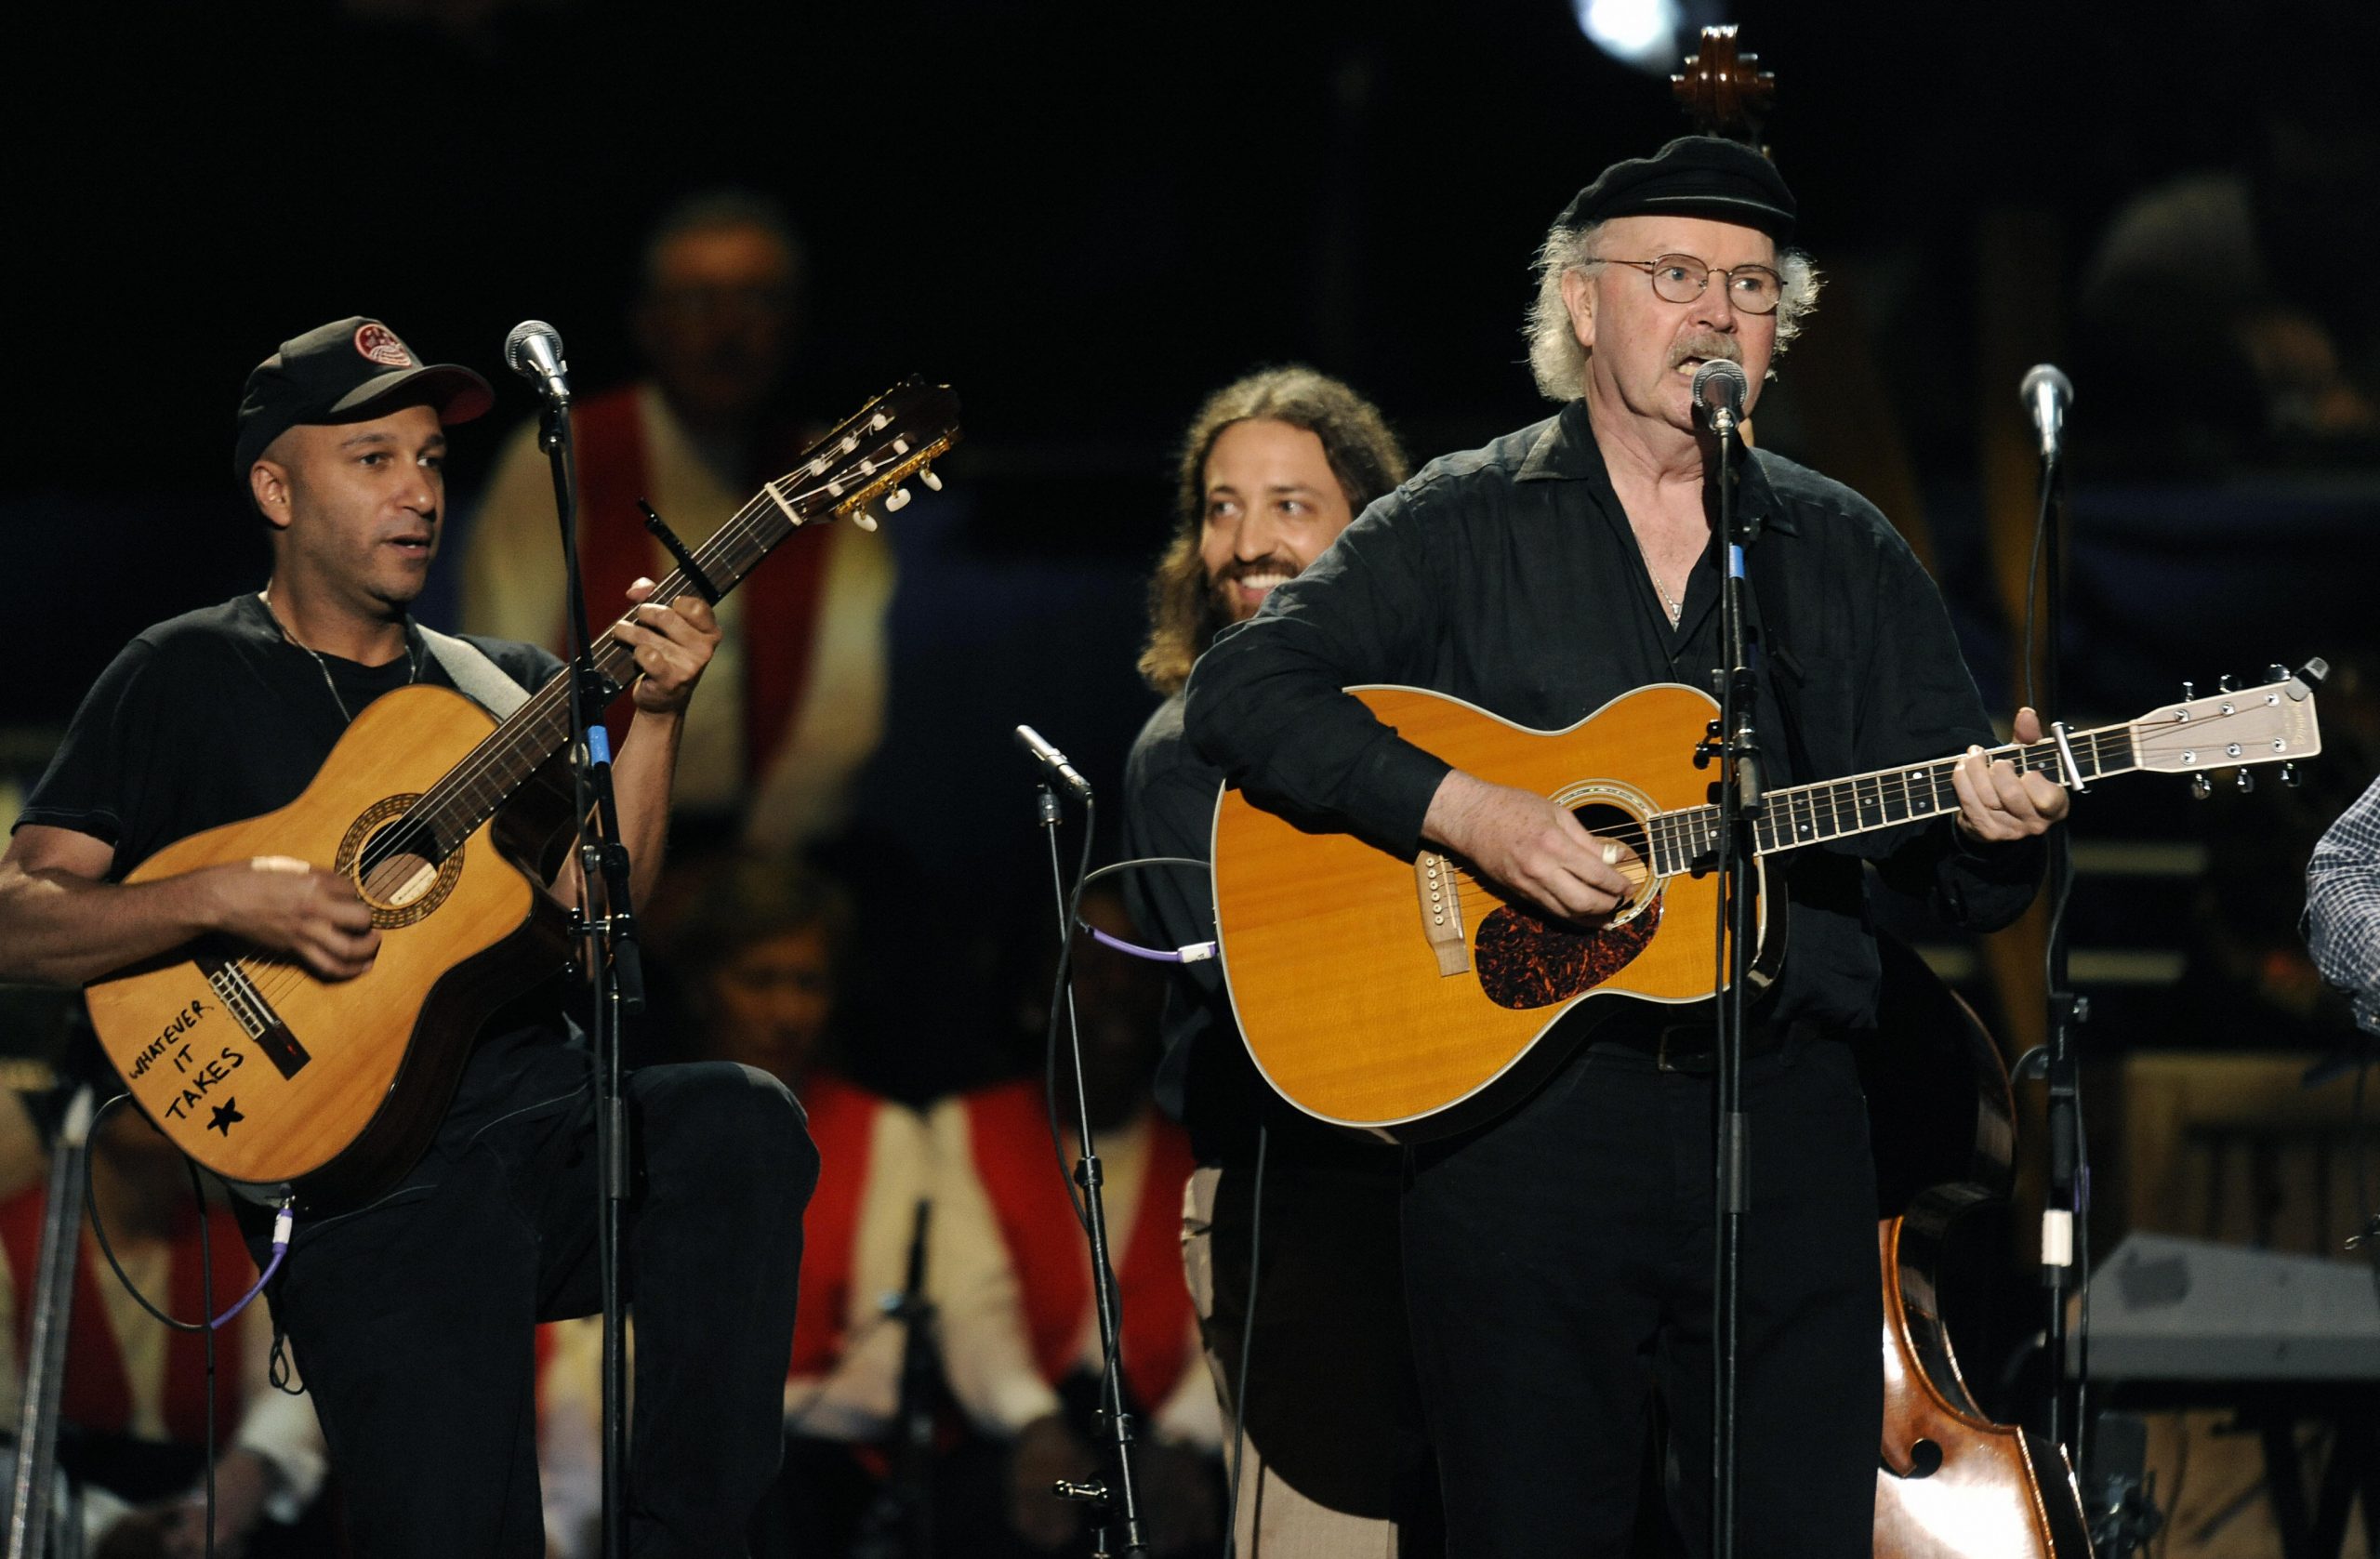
pixel 899 1524
pixel 609 954
pixel 2066 1198
pixel 1118 1494
pixel 1732 740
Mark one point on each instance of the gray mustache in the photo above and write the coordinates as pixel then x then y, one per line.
pixel 1707 348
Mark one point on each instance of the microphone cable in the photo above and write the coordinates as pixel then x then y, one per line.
pixel 283 1223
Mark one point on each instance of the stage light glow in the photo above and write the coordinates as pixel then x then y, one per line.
pixel 1639 32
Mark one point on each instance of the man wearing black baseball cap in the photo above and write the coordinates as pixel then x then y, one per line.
pixel 412 1317
pixel 1559 1259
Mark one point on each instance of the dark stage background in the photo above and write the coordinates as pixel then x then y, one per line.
pixel 1088 217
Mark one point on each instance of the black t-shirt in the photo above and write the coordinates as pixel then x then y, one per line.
pixel 214 716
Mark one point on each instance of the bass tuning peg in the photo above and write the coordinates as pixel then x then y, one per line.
pixel 2200 786
pixel 2226 683
pixel 2247 781
pixel 2289 776
pixel 2189 691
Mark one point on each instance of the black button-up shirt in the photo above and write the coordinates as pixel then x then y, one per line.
pixel 1509 576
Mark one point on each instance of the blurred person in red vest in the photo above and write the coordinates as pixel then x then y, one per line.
pixel 797 686
pixel 1011 1270
pixel 763 945
pixel 132 1408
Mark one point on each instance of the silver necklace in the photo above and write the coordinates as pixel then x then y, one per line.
pixel 413 661
pixel 1676 608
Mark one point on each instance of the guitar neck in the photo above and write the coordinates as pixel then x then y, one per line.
pixel 473 789
pixel 1796 816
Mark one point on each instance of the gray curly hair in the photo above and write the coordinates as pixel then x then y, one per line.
pixel 1554 356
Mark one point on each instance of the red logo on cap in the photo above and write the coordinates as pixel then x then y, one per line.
pixel 380 344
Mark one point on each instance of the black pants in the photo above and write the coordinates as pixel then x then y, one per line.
pixel 411 1320
pixel 1559 1267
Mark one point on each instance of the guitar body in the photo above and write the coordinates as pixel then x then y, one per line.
pixel 271 1076
pixel 1364 1009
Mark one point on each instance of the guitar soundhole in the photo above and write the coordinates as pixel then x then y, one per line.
pixel 393 865
pixel 400 882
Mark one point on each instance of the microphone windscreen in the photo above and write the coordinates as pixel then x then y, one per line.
pixel 1720 385
pixel 2043 375
pixel 516 345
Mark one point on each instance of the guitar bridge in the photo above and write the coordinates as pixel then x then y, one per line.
pixel 255 1014
pixel 1433 881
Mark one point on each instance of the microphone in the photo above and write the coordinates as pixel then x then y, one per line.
pixel 2046 393
pixel 1053 760
pixel 1720 388
pixel 534 351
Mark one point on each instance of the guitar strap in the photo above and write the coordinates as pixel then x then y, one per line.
pixel 479 679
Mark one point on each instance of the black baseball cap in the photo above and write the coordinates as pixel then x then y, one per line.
pixel 350 370
pixel 1692 175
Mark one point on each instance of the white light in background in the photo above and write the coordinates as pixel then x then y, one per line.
pixel 1638 33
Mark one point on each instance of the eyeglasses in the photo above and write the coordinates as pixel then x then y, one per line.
pixel 1755 289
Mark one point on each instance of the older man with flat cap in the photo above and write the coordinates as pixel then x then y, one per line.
pixel 412 1317
pixel 1559 1258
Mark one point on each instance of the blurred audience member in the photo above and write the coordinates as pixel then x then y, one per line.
pixel 795 699
pixel 761 945
pixel 2206 305
pixel 133 1409
pixel 1011 1276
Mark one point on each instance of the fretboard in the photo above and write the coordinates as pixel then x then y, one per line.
pixel 1803 815
pixel 472 791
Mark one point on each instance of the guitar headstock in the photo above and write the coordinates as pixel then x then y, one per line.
pixel 870 453
pixel 2235 728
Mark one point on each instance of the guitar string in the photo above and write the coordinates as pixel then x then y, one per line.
pixel 496 754
pixel 743 527
pixel 2034 757
pixel 276 977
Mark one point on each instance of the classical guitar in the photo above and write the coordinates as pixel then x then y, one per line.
pixel 447 822
pixel 1406 999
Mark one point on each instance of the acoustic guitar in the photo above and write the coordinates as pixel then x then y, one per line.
pixel 1406 998
pixel 448 823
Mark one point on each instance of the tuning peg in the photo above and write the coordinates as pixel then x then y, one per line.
pixel 2275 672
pixel 934 482
pixel 2189 691
pixel 2200 786
pixel 2226 683
pixel 2289 776
pixel 896 500
pixel 863 518
pixel 2247 781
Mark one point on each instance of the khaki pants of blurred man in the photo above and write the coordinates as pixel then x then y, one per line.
pixel 1334 1465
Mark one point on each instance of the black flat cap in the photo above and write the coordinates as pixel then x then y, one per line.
pixel 350 370
pixel 1692 175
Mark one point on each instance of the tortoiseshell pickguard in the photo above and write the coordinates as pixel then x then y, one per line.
pixel 1523 961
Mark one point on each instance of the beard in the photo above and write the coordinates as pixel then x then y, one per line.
pixel 1224 605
